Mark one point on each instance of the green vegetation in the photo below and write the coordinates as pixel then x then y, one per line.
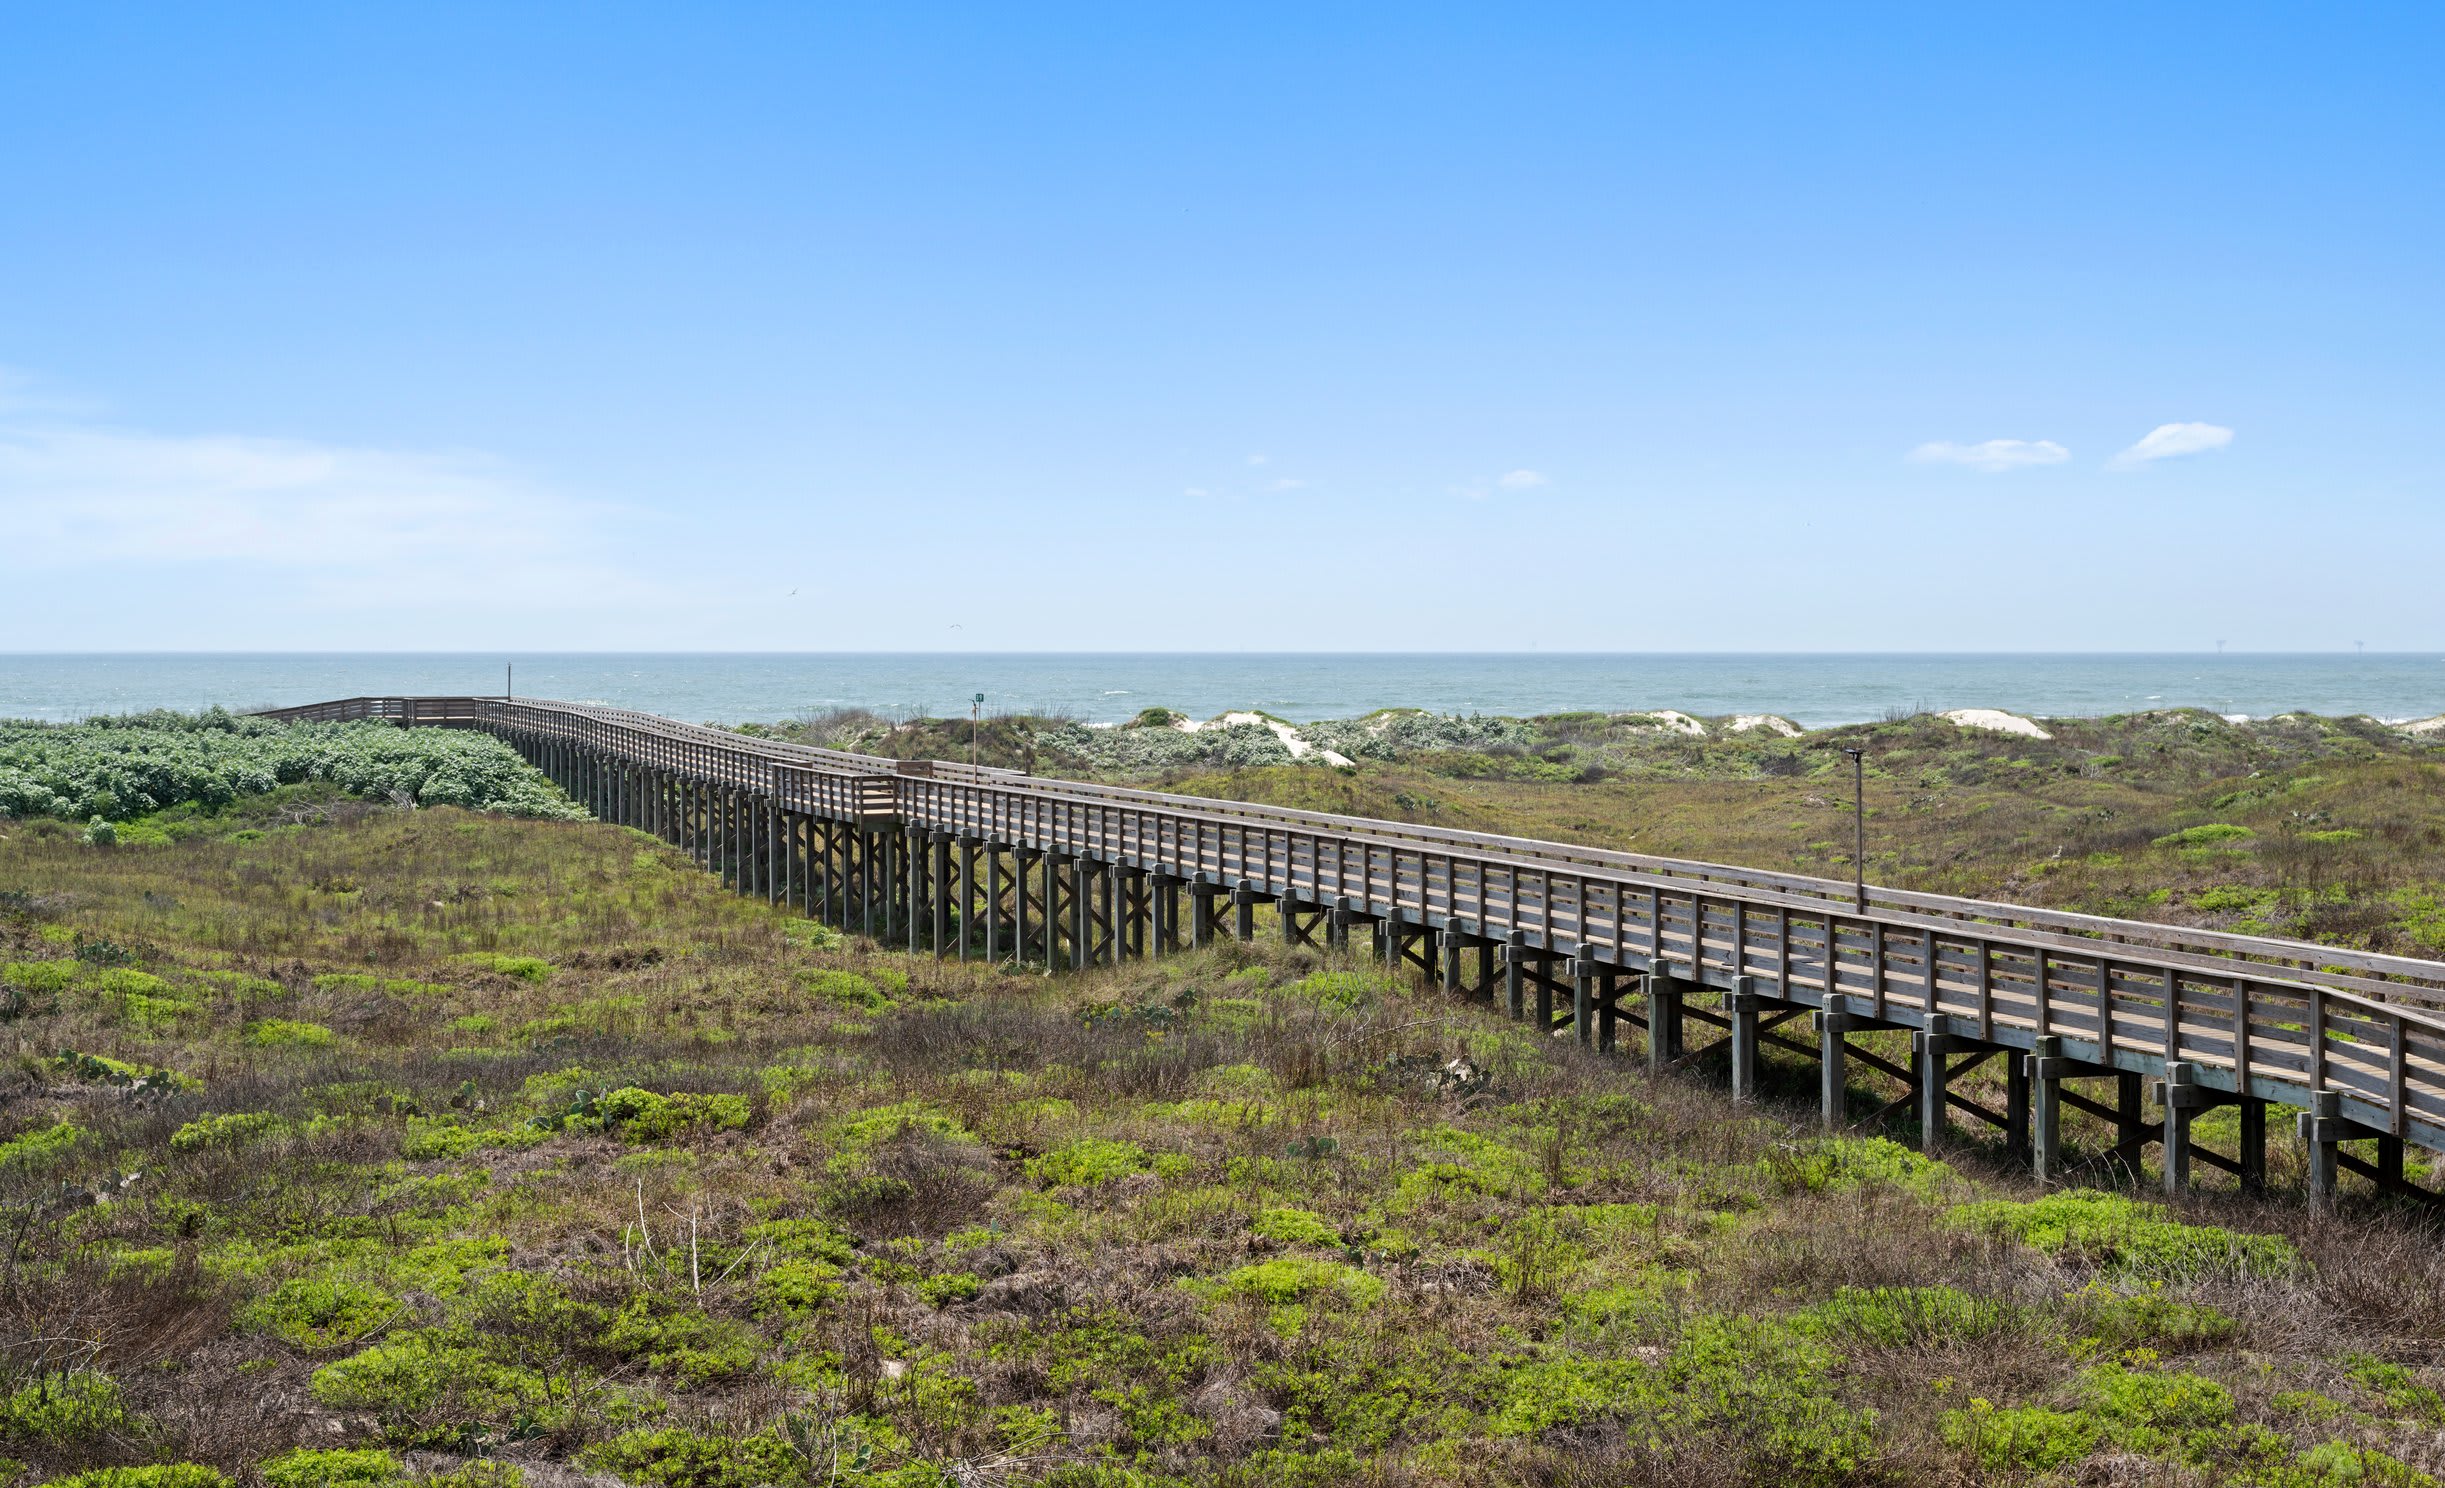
pixel 687 1207
pixel 372 1147
pixel 162 771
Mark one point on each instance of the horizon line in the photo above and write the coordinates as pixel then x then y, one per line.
pixel 514 654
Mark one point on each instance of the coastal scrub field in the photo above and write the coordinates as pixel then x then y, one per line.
pixel 350 1145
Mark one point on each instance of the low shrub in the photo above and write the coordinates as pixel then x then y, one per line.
pixel 2021 1439
pixel 320 1312
pixel 674 1457
pixel 642 1116
pixel 286 1033
pixel 1568 1391
pixel 2147 1319
pixel 2122 1234
pixel 1299 1278
pixel 155 1475
pixel 1296 1227
pixel 795 1289
pixel 423 1387
pixel 60 1410
pixel 1911 1317
pixel 1840 1163
pixel 1087 1162
pixel 517 968
pixel 304 1468
pixel 42 1147
pixel 2148 1411
pixel 844 987
pixel 229 1129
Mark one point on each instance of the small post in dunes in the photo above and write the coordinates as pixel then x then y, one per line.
pixel 975 706
pixel 1859 827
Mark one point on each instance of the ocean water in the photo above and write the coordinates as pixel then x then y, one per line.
pixel 1814 690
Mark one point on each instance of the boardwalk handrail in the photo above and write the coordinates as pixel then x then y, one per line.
pixel 2256 1017
pixel 2377 974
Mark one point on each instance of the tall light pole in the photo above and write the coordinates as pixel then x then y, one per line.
pixel 1859 826
pixel 509 675
pixel 976 705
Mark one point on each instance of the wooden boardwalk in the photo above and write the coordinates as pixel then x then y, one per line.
pixel 2114 1017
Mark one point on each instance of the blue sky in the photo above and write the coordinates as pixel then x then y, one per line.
pixel 1894 327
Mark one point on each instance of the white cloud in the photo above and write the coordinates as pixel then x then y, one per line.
pixel 23 395
pixel 2172 441
pixel 1256 459
pixel 1195 493
pixel 358 527
pixel 1285 484
pixel 1992 454
pixel 1509 480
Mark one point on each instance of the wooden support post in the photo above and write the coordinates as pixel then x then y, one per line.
pixel 1665 1000
pixel 1515 951
pixel 1128 904
pixel 2181 1101
pixel 1545 994
pixel 1833 1071
pixel 1929 1049
pixel 1166 911
pixel 1243 911
pixel 916 857
pixel 2321 1128
pixel 1608 1008
pixel 1018 905
pixel 1202 894
pixel 993 903
pixel 938 892
pixel 2130 1124
pixel 2046 1109
pixel 724 843
pixel 1082 915
pixel 2016 1106
pixel 775 865
pixel 1583 998
pixel 1451 960
pixel 975 910
pixel 2253 1145
pixel 1742 1004
pixel 865 890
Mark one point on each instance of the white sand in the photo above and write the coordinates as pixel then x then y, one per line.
pixel 2426 727
pixel 1299 748
pixel 1678 722
pixel 1773 723
pixel 1998 720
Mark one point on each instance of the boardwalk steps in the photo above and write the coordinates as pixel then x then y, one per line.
pixel 2111 1017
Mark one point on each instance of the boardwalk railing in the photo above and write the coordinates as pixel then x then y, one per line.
pixel 985 860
